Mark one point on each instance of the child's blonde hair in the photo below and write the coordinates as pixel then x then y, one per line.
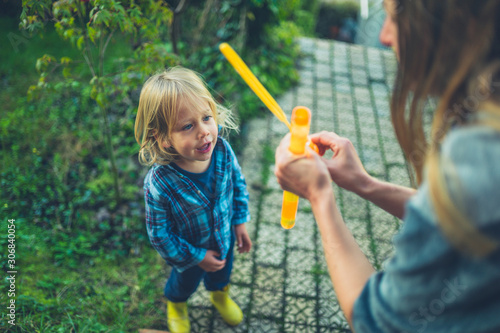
pixel 159 103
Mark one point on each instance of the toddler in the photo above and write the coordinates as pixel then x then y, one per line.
pixel 195 193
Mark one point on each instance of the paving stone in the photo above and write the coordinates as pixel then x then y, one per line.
pixel 301 311
pixel 201 318
pixel 359 77
pixel 271 233
pixel 241 295
pixel 277 127
pixel 269 253
pixel 306 43
pixel 222 327
pixel 264 325
pixel 293 327
pixel 306 77
pixel 372 160
pixel 398 174
pixel 324 92
pixel 199 298
pixel 301 236
pixel 270 279
pixel 322 56
pixel 330 314
pixel 271 213
pixel 242 269
pixel 300 284
pixel 307 63
pixel 267 302
pixel 323 72
pixel 299 260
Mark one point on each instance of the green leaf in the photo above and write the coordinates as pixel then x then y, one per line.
pixel 68 33
pixel 79 43
pixel 39 64
pixel 58 26
pixel 67 72
pixel 92 33
pixel 65 60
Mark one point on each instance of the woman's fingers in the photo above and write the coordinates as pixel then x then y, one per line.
pixel 324 140
pixel 300 174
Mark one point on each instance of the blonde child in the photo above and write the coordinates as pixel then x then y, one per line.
pixel 195 193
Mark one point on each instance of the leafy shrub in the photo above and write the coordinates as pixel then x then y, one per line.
pixel 79 136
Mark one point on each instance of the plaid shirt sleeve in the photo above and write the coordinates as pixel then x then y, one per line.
pixel 179 253
pixel 241 213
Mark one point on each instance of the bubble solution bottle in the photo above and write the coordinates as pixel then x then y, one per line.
pixel 301 123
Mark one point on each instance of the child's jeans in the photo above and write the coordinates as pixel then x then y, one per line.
pixel 180 286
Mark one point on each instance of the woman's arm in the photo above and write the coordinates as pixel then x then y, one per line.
pixel 348 267
pixel 308 177
pixel 390 197
pixel 347 171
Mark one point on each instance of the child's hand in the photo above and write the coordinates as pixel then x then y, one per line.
pixel 243 241
pixel 210 263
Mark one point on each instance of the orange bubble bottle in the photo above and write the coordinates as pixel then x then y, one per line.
pixel 301 123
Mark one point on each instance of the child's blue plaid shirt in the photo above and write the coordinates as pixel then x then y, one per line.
pixel 181 221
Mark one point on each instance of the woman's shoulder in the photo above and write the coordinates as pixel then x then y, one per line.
pixel 470 156
pixel 473 154
pixel 473 144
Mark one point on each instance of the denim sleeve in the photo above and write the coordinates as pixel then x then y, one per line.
pixel 176 251
pixel 391 299
pixel 241 213
pixel 429 285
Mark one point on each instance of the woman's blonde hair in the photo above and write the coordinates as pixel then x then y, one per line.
pixel 159 103
pixel 450 50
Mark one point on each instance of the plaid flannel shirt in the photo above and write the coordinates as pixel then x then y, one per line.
pixel 181 221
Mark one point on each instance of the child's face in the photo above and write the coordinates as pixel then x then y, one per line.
pixel 194 135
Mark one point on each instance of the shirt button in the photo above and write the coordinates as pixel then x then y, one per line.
pixel 198 191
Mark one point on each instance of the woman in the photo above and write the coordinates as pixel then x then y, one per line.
pixel 445 273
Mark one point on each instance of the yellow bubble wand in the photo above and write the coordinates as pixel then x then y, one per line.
pixel 252 81
pixel 290 200
pixel 301 122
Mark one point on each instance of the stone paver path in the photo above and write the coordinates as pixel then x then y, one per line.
pixel 283 285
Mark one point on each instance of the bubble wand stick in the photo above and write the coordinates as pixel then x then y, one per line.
pixel 301 119
pixel 252 81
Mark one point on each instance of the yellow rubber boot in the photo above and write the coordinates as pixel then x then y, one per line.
pixel 228 309
pixel 177 317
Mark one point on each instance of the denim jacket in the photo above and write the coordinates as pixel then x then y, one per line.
pixel 428 285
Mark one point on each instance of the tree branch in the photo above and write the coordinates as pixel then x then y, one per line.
pixel 175 23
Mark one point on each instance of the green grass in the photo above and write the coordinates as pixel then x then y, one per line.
pixel 101 295
pixel 90 290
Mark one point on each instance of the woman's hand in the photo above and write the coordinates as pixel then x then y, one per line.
pixel 243 241
pixel 305 175
pixel 345 167
pixel 210 263
pixel 346 171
